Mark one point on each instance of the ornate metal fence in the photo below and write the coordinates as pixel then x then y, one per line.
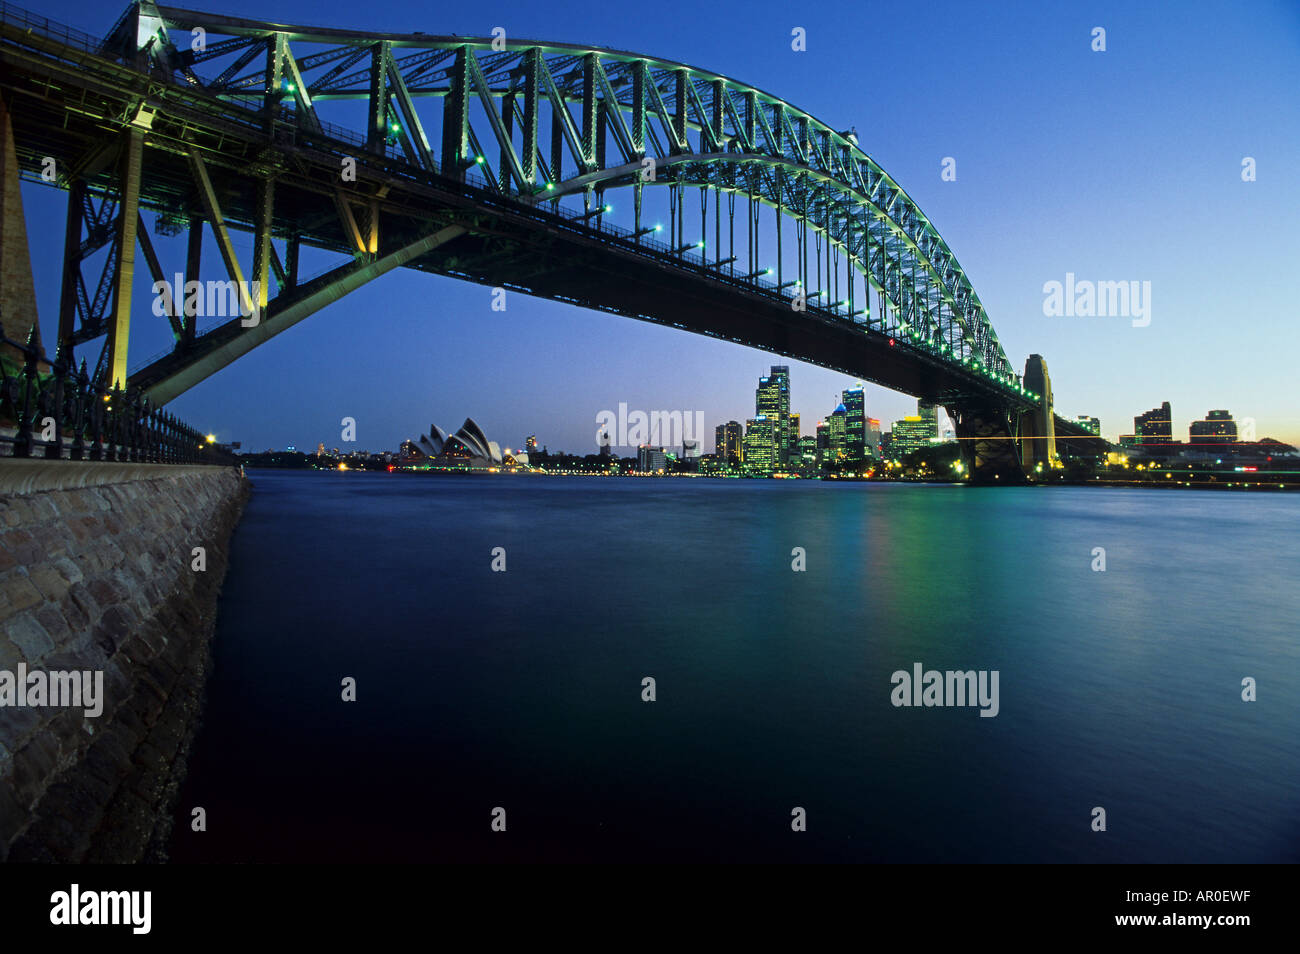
pixel 50 411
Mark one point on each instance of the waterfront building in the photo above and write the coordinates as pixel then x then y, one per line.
pixel 651 460
pixel 468 448
pixel 1091 424
pixel 915 431
pixel 1217 428
pixel 910 434
pixel 1155 426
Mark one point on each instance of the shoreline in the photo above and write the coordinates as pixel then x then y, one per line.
pixel 1169 484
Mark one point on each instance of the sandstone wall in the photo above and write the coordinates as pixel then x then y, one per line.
pixel 95 574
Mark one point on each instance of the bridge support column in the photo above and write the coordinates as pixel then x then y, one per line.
pixel 128 211
pixel 262 248
pixel 989 444
pixel 71 270
pixel 17 288
pixel 193 264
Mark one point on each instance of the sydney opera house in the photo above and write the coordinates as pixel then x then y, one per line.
pixel 467 448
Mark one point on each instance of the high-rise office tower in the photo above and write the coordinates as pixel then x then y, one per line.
pixel 760 445
pixel 837 445
pixel 772 401
pixel 855 422
pixel 727 447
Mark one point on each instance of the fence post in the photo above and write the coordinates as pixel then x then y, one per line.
pixel 23 439
pixel 79 386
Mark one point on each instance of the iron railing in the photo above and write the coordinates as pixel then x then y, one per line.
pixel 50 411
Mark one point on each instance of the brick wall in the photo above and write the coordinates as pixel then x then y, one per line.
pixel 99 577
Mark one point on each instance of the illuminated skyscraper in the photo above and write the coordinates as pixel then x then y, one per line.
pixel 855 420
pixel 772 401
pixel 727 443
pixel 760 446
pixel 836 448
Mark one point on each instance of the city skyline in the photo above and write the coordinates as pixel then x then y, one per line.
pixel 1082 172
pixel 1208 418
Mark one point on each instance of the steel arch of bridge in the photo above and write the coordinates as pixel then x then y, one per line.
pixel 700 128
pixel 616 120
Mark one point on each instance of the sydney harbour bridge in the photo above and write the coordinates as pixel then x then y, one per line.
pixel 611 180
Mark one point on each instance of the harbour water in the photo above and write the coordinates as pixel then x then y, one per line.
pixel 523 689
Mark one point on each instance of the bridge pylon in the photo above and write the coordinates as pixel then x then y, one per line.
pixel 1038 451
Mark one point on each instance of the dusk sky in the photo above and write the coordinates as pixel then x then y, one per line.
pixel 1117 166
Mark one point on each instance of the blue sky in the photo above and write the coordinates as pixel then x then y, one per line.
pixel 1115 166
